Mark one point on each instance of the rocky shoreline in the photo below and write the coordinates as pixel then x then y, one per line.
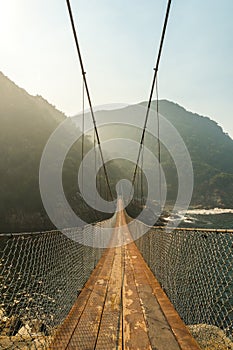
pixel 21 333
pixel 210 337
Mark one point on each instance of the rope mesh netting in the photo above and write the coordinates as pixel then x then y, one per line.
pixel 194 267
pixel 41 276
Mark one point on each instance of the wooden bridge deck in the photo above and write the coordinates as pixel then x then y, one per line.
pixel 122 306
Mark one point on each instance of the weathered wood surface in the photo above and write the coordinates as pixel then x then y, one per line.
pixel 122 306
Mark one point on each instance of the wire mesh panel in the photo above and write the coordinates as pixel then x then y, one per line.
pixel 194 267
pixel 41 275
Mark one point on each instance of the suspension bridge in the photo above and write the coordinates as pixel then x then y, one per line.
pixel 149 288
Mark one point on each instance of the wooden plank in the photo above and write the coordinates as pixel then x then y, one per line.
pixel 135 335
pixel 159 332
pixel 134 328
pixel 165 313
pixel 87 331
pixel 85 334
pixel 65 331
pixel 109 336
pixel 178 327
pixel 181 332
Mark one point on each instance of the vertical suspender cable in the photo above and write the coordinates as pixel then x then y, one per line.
pixel 95 171
pixel 138 184
pixel 152 87
pixel 158 141
pixel 88 95
pixel 83 139
pixel 142 178
pixel 100 184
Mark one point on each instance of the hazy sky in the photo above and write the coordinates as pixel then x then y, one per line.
pixel 119 41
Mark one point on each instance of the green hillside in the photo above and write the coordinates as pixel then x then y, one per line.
pixel 26 124
pixel 28 121
pixel 211 150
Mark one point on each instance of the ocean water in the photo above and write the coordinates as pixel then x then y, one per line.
pixel 216 218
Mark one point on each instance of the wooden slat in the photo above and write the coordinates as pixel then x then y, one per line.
pixel 135 333
pixel 86 331
pixel 109 336
pixel 181 332
pixel 159 332
pixel 64 333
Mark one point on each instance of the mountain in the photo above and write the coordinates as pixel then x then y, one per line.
pixel 28 121
pixel 211 149
pixel 26 124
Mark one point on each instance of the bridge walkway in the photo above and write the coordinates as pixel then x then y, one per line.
pixel 122 306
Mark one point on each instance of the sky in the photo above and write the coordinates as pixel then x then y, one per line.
pixel 119 42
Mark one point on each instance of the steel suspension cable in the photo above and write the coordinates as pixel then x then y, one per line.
pixel 88 95
pixel 142 184
pixel 95 170
pixel 138 185
pixel 158 139
pixel 83 139
pixel 152 87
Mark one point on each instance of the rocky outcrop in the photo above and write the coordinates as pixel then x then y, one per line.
pixel 19 333
pixel 38 342
pixel 210 337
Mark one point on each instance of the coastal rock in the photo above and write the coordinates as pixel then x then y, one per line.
pixel 16 342
pixel 25 332
pixel 10 325
pixel 210 337
pixel 5 342
pixel 2 314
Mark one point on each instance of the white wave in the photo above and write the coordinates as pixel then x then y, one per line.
pixel 188 221
pixel 214 211
pixel 175 217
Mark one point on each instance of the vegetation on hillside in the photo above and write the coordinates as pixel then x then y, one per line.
pixel 28 121
pixel 211 151
pixel 26 124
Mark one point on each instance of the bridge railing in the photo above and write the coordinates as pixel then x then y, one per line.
pixel 195 269
pixel 41 275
